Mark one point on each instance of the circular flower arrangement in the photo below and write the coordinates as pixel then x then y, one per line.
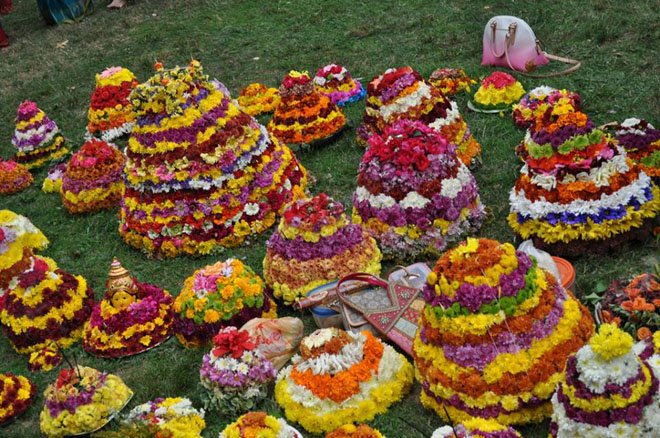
pixel 642 143
pixel 45 359
pixel 93 178
pixel 541 99
pixel 256 99
pixel 402 94
pixel 259 424
pixel 451 81
pixel 607 391
pixel 497 92
pixel 304 115
pixel 16 395
pixel 82 400
pixel 313 245
pixel 341 378
pixel 200 173
pixel 414 196
pixel 225 294
pixel 110 112
pixel 476 428
pixel 234 373
pixel 132 318
pixel 36 137
pixel 53 181
pixel 14 177
pixel 337 83
pixel 579 192
pixel 163 418
pixel 495 335
pixel 352 431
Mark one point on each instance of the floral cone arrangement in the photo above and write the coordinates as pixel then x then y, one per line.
pixel 256 99
pixel 402 93
pixel 579 192
pixel 235 374
pixel 315 244
pixel 53 181
pixel 495 335
pixel 642 143
pixel 304 114
pixel 337 83
pixel 414 195
pixel 352 431
pixel 341 378
pixel 16 395
pixel 541 99
pixel 476 428
pixel 39 303
pixel 451 81
pixel 81 401
pixel 93 178
pixel 607 391
pixel 261 425
pixel 132 318
pixel 110 112
pixel 497 92
pixel 225 294
pixel 37 138
pixel 200 173
pixel 14 177
pixel 45 359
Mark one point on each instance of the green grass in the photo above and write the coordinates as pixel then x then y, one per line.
pixel 620 78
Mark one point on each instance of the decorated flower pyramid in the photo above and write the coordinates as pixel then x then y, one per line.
pixel 225 294
pixel 304 114
pixel 40 303
pixel 132 318
pixel 450 81
pixel 82 400
pixel 402 93
pixel 53 181
pixel 93 178
pixel 314 244
pixel 14 177
pixel 173 417
pixel 352 431
pixel 607 388
pixel 642 143
pixel 16 395
pixel 199 171
pixel 256 99
pixel 495 335
pixel 110 112
pixel 337 83
pixel 340 378
pixel 476 428
pixel 259 424
pixel 579 192
pixel 414 195
pixel 37 138
pixel 497 92
pixel 541 99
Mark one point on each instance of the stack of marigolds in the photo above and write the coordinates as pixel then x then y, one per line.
pixel 498 92
pixel 337 83
pixel 199 171
pixel 256 99
pixel 14 177
pixel 495 335
pixel 540 100
pixel 110 112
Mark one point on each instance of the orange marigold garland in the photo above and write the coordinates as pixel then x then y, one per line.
pixel 14 177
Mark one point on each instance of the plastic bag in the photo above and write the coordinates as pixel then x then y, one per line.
pixel 543 258
pixel 277 339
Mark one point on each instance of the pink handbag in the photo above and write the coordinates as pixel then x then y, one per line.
pixel 510 42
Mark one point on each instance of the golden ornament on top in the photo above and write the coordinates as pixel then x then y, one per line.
pixel 120 288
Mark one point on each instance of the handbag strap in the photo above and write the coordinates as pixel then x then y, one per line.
pixel 576 64
pixel 358 276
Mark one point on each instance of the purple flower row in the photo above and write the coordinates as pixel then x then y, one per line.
pixel 582 391
pixel 338 243
pixel 259 373
pixel 559 136
pixel 639 142
pixel 72 402
pixel 78 185
pixel 402 83
pixel 34 140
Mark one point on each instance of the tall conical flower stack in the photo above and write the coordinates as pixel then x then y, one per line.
pixel 110 112
pixel 36 138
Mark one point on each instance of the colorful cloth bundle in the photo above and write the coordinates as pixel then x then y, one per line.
pixel 93 178
pixel 402 93
pixel 495 335
pixel 110 112
pixel 642 143
pixel 225 294
pixel 259 424
pixel 607 391
pixel 200 172
pixel 337 83
pixel 541 99
pixel 476 428
pixel 16 396
pixel 39 302
pixel 132 318
pixel 315 244
pixel 450 81
pixel 173 417
pixel 304 114
pixel 37 138
pixel 497 92
pixel 256 99
pixel 14 177
pixel 352 431
pixel 341 378
pixel 414 195
pixel 578 191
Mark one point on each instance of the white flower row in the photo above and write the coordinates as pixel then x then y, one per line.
pixel 596 373
pixel 541 92
pixel 452 116
pixel 349 355
pixel 39 131
pixel 112 133
pixel 403 104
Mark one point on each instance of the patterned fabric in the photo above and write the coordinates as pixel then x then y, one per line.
pixel 57 11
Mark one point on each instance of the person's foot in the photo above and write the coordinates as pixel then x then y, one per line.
pixel 117 4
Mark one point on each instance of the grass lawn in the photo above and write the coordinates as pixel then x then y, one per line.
pixel 240 42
